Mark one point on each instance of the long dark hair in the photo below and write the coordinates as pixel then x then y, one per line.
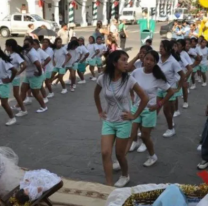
pixel 157 72
pixel 4 56
pixel 110 65
pixel 174 53
pixel 48 40
pixel 37 42
pixel 21 197
pixel 182 42
pixel 15 47
pixel 55 42
pixel 73 44
pixel 146 47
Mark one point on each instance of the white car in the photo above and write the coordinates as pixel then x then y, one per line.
pixel 17 23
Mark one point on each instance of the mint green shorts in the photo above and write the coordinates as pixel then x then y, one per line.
pixel 146 119
pixel 16 82
pixel 195 69
pixel 179 93
pixel 121 130
pixel 48 75
pixel 75 66
pixel 34 82
pixel 4 91
pixel 91 62
pixel 99 61
pixel 203 68
pixel 162 94
pixel 59 70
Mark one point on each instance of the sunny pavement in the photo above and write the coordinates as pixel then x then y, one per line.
pixel 66 139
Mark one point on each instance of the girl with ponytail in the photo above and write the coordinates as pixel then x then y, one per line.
pixel 150 78
pixel 17 60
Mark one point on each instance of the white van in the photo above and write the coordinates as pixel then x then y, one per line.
pixel 131 15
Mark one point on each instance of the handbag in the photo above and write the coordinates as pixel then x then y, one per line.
pixel 122 34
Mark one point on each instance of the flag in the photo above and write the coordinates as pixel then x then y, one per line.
pixel 97 3
pixel 40 3
pixel 116 3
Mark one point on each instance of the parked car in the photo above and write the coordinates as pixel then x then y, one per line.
pixel 166 30
pixel 17 23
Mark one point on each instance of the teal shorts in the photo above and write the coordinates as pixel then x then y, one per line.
pixel 59 70
pixel 179 93
pixel 195 69
pixel 99 61
pixel 203 68
pixel 4 91
pixel 91 62
pixel 146 119
pixel 16 82
pixel 189 79
pixel 82 67
pixel 75 66
pixel 121 130
pixel 48 75
pixel 34 82
pixel 162 94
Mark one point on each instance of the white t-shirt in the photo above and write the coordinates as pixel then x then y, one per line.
pixel 92 50
pixel 82 50
pixel 204 52
pixel 5 70
pixel 30 58
pixel 74 56
pixel 138 64
pixel 170 68
pixel 16 60
pixel 192 51
pixel 49 66
pixel 43 55
pixel 101 48
pixel 117 96
pixel 185 60
pixel 60 56
pixel 149 84
pixel 113 28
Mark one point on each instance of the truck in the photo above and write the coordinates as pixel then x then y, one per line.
pixel 131 14
pixel 17 24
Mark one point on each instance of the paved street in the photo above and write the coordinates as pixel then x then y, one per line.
pixel 66 139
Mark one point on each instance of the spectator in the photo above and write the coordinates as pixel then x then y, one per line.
pixel 149 42
pixel 71 30
pixel 63 33
pixel 123 34
pixel 175 26
pixel 100 31
pixel 186 29
pixel 179 32
pixel 30 30
pixel 113 28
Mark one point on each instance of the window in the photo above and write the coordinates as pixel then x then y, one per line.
pixel 127 13
pixel 27 18
pixel 36 17
pixel 17 17
pixel 7 18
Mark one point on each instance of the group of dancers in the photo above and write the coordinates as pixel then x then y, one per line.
pixel 136 91
pixel 43 64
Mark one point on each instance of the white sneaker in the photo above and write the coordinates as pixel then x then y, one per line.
pixel 199 148
pixel 81 82
pixel 176 113
pixel 169 133
pixel 122 181
pixel 188 91
pixel 64 91
pixel 72 89
pixel 139 134
pixel 116 166
pixel 50 95
pixel 94 79
pixel 151 160
pixel 11 122
pixel 204 84
pixel 134 146
pixel 193 86
pixel 203 165
pixel 45 100
pixel 28 100
pixel 199 80
pixel 185 105
pixel 142 148
pixel 68 82
pixel 41 110
pixel 74 86
pixel 16 108
pixel 21 113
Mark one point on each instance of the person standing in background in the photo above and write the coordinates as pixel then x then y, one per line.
pixel 63 33
pixel 123 34
pixel 113 28
pixel 71 30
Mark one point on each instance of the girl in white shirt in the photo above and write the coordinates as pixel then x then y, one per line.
pixel 7 74
pixel 49 67
pixel 19 64
pixel 45 59
pixel 91 60
pixel 82 64
pixel 102 50
pixel 203 64
pixel 60 59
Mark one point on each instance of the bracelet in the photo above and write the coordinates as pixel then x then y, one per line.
pixel 159 104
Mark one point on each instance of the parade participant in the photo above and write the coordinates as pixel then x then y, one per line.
pixel 60 59
pixel 82 61
pixel 72 49
pixel 148 42
pixel 91 60
pixel 33 79
pixel 19 64
pixel 102 49
pixel 49 67
pixel 187 66
pixel 7 74
pixel 203 64
pixel 171 68
pixel 45 59
pixel 116 85
pixel 150 78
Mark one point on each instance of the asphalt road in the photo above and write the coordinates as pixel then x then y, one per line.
pixel 66 139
